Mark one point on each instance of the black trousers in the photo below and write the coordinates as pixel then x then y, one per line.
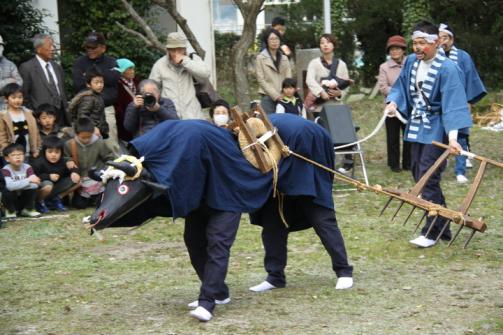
pixel 423 157
pixel 275 236
pixel 16 201
pixel 209 235
pixel 394 130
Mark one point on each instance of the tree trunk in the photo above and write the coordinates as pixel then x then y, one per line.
pixel 250 10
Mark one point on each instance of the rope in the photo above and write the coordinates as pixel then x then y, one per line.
pixel 376 129
pixel 275 177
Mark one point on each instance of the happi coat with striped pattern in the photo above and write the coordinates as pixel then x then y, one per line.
pixel 439 108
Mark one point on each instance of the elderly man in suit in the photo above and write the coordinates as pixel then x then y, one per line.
pixel 43 79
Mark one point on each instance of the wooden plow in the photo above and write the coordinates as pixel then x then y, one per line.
pixel 411 197
pixel 459 216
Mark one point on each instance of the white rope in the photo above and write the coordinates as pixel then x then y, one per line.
pixel 387 113
pixel 262 139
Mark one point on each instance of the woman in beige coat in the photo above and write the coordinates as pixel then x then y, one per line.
pixel 272 67
pixel 319 68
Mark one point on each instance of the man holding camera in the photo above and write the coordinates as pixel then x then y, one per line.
pixel 148 109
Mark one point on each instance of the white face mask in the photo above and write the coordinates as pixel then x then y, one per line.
pixel 220 119
pixel 1 50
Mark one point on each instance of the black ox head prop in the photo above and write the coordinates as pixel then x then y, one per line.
pixel 125 204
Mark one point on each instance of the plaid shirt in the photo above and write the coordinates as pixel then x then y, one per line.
pixel 8 71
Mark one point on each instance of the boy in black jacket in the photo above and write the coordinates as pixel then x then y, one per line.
pixel 57 181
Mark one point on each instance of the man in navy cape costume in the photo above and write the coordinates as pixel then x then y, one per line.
pixel 210 183
pixel 434 108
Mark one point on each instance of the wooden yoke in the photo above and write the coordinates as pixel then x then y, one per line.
pixel 276 138
pixel 250 136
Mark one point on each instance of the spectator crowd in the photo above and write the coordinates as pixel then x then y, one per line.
pixel 50 143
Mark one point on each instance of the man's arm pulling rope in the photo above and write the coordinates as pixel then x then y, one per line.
pixel 390 111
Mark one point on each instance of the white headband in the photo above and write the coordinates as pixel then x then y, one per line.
pixel 443 28
pixel 430 38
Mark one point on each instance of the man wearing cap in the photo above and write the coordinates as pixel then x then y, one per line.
pixel 430 94
pixel 388 74
pixel 44 80
pixel 95 46
pixel 474 88
pixel 8 71
pixel 176 72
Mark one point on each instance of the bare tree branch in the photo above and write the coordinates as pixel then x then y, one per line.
pixel 153 41
pixel 148 42
pixel 170 6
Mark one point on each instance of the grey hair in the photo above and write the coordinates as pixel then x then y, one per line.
pixel 147 82
pixel 39 40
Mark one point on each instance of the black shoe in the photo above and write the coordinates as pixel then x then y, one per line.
pixel 395 169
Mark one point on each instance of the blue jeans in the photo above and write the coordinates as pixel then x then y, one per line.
pixel 460 167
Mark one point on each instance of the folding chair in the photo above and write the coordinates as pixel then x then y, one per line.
pixel 337 119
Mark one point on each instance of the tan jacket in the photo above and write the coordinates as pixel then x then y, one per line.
pixel 7 131
pixel 269 79
pixel 316 71
pixel 388 74
pixel 177 84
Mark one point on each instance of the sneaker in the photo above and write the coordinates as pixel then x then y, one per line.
pixel 195 303
pixel 57 204
pixel 41 207
pixel 262 287
pixel 342 170
pixel 30 213
pixel 10 215
pixel 423 242
pixel 461 179
pixel 344 283
pixel 201 313
pixel 468 164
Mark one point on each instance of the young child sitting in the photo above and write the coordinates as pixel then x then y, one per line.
pixel 85 151
pixel 291 101
pixel 47 125
pixel 89 103
pixel 57 180
pixel 21 184
pixel 17 124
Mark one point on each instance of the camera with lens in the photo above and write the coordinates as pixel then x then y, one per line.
pixel 149 100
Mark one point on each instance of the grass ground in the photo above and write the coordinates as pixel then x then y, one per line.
pixel 55 279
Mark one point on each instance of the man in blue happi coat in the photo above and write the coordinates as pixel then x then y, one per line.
pixel 474 88
pixel 430 94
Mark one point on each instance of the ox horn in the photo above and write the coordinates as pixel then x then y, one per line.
pixel 124 166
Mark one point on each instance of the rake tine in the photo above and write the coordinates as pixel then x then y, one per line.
pixel 446 224
pixel 386 206
pixel 469 238
pixel 431 226
pixel 408 216
pixel 419 223
pixel 456 235
pixel 397 210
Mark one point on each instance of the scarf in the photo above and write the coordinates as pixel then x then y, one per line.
pixel 421 92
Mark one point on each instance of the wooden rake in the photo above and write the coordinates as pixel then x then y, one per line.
pixel 460 217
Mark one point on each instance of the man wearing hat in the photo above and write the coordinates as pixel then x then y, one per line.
pixel 176 72
pixel 44 80
pixel 8 71
pixel 95 47
pixel 474 88
pixel 388 74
